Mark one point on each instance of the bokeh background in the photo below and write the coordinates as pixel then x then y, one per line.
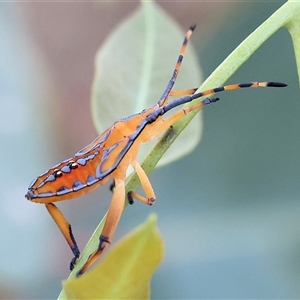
pixel 229 211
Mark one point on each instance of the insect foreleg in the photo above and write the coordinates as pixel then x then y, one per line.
pixel 111 223
pixel 146 185
pixel 183 92
pixel 162 125
pixel 65 229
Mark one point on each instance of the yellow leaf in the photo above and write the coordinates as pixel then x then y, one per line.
pixel 126 270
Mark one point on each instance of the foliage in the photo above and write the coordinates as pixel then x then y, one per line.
pixel 120 275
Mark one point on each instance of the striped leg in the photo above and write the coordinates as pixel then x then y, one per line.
pixel 162 125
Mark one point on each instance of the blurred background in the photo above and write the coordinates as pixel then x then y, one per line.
pixel 231 226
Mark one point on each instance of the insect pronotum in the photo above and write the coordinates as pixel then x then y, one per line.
pixel 111 153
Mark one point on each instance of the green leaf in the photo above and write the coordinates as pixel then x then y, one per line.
pixel 126 271
pixel 133 67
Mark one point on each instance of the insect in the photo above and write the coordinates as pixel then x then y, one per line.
pixel 111 153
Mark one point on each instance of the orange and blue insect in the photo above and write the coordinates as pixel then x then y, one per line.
pixel 109 156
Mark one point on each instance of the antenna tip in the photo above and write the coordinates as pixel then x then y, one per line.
pixel 276 84
pixel 192 27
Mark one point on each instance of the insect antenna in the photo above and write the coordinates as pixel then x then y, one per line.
pixel 207 101
pixel 171 83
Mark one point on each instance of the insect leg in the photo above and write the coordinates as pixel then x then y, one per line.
pixel 163 125
pixel 182 92
pixel 112 186
pixel 65 229
pixel 145 182
pixel 112 220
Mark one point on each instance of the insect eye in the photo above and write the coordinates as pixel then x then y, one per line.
pixel 57 173
pixel 73 165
